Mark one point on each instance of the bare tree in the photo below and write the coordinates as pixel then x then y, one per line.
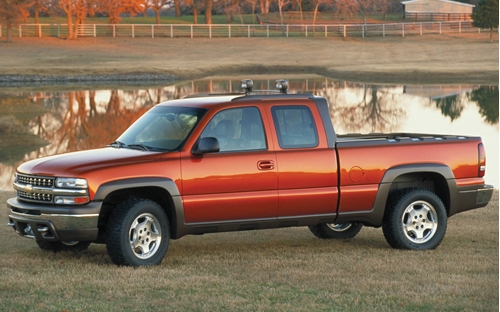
pixel 157 5
pixel 13 11
pixel 316 4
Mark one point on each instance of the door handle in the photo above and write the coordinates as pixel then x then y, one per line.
pixel 265 165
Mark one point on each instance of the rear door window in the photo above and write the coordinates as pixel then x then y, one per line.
pixel 295 126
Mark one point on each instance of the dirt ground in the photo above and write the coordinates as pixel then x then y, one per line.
pixel 429 59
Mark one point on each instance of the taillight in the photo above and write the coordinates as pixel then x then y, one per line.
pixel 481 160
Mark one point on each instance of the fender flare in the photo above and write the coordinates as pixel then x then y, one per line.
pixel 375 216
pixel 177 224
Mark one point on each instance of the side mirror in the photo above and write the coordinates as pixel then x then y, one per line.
pixel 206 145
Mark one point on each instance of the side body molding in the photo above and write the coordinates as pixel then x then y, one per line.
pixel 400 177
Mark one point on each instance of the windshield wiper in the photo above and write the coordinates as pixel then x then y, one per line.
pixel 117 144
pixel 140 146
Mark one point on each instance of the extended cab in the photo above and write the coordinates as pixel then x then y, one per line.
pixel 254 160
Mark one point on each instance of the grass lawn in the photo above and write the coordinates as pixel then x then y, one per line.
pixel 270 270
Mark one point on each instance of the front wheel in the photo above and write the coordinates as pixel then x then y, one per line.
pixel 336 231
pixel 137 233
pixel 415 219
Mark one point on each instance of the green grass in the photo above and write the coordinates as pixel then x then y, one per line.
pixel 271 270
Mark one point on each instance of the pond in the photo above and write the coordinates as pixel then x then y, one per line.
pixel 35 122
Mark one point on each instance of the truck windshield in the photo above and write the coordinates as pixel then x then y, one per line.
pixel 161 128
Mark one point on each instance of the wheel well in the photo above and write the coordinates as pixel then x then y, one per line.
pixel 156 194
pixel 431 181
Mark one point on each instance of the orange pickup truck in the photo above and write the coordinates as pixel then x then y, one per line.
pixel 247 161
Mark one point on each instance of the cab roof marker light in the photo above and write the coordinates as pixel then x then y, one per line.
pixel 282 85
pixel 247 84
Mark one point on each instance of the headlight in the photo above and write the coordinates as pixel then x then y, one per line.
pixel 71 183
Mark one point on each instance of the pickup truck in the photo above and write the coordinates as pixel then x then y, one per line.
pixel 252 160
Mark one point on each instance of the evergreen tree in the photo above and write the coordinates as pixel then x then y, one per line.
pixel 486 15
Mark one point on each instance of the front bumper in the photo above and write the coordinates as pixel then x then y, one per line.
pixel 54 223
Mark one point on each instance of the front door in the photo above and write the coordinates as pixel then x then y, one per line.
pixel 239 182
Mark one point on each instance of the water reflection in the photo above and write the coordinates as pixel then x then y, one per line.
pixel 35 124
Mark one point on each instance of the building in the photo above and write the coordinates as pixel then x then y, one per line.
pixel 444 10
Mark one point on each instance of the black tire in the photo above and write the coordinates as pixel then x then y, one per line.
pixel 62 246
pixel 415 219
pixel 137 233
pixel 336 231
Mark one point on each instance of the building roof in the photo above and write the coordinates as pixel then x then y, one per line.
pixel 449 1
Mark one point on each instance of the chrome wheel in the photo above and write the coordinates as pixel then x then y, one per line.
pixel 339 227
pixel 420 222
pixel 145 236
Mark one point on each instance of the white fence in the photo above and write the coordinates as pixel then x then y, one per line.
pixel 250 30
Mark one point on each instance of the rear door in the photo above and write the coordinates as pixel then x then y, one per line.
pixel 307 168
pixel 239 182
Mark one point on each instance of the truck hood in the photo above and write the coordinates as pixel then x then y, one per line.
pixel 73 164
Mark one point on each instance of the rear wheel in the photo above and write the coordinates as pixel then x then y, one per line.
pixel 336 231
pixel 137 233
pixel 415 219
pixel 62 246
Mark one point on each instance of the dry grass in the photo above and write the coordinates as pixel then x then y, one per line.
pixel 272 270
pixel 448 58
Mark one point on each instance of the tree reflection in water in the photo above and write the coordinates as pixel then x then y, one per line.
pixel 84 119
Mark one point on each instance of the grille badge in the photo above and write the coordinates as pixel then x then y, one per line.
pixel 28 188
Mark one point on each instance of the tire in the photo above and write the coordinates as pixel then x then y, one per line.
pixel 62 246
pixel 336 231
pixel 415 219
pixel 137 233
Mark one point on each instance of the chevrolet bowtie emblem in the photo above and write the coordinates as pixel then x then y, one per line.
pixel 28 188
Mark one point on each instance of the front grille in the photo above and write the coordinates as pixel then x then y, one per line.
pixel 28 182
pixel 35 181
pixel 35 196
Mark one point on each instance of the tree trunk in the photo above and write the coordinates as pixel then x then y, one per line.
pixel 157 13
pixel 177 4
pixel 208 11
pixel 195 15
pixel 315 12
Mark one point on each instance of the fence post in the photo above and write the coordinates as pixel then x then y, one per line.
pixel 210 31
pixel 191 31
pixel 344 32
pixel 133 31
pixel 58 30
pixel 306 31
pixel 20 31
pixel 287 30
pixel 153 31
pixel 459 27
pixel 420 29
pixel 403 29
pixel 326 31
pixel 0 30
pixel 40 30
pixel 171 31
pixel 268 31
pixel 248 31
pixel 95 31
pixel 383 30
pixel 229 30
pixel 114 30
